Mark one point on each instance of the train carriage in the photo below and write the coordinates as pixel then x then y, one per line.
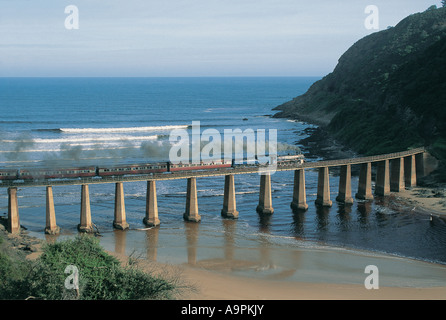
pixel 291 159
pixel 133 169
pixel 11 174
pixel 216 164
pixel 148 168
pixel 28 174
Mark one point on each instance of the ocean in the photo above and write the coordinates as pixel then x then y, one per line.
pixel 68 122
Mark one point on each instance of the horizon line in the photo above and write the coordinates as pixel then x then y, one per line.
pixel 141 77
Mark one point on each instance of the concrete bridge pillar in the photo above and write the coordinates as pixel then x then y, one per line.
pixel 151 218
pixel 323 188
pixel 420 164
pixel 85 223
pixel 410 171
pixel 13 211
pixel 51 227
pixel 382 187
pixel 265 200
pixel 397 175
pixel 120 221
pixel 191 213
pixel 229 203
pixel 299 194
pixel 345 185
pixel 365 182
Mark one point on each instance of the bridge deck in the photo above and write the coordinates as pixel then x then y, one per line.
pixel 209 173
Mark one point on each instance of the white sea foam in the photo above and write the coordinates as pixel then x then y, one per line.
pixel 59 150
pixel 20 161
pixel 85 139
pixel 247 192
pixel 127 129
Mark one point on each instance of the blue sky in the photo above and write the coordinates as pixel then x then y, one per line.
pixel 186 38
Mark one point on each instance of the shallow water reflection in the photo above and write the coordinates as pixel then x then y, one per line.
pixel 266 256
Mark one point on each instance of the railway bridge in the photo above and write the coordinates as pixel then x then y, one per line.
pixel 395 171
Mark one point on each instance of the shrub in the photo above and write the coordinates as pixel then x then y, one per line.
pixel 13 268
pixel 101 276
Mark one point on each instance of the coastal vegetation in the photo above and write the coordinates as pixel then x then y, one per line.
pixel 387 92
pixel 100 275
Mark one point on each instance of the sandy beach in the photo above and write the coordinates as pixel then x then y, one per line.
pixel 217 285
pixel 221 287
pixel 330 274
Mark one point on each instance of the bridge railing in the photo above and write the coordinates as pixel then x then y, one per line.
pixel 359 160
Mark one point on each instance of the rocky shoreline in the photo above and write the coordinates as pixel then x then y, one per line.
pixel 22 241
pixel 320 144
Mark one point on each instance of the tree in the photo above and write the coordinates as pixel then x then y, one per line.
pixel 443 2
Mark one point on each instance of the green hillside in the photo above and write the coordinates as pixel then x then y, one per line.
pixel 387 92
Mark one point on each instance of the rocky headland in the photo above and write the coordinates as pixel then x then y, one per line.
pixel 386 94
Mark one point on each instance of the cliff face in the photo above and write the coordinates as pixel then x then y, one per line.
pixel 387 92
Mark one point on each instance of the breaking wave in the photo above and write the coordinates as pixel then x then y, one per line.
pixel 99 139
pixel 127 129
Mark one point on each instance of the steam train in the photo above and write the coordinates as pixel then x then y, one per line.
pixel 159 167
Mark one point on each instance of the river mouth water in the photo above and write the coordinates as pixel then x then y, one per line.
pixel 265 256
pixel 322 244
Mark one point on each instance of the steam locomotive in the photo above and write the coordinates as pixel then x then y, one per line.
pixel 159 167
